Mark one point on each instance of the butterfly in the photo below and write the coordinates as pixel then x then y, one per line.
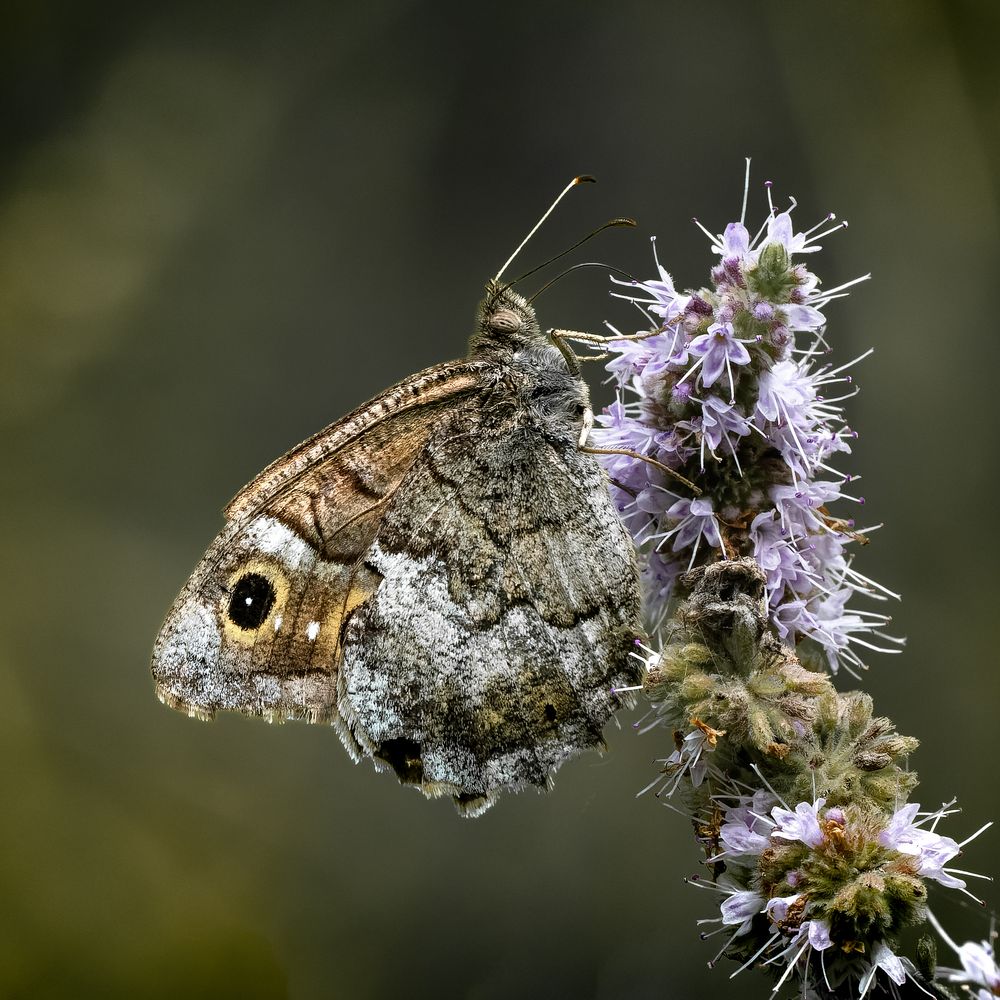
pixel 440 575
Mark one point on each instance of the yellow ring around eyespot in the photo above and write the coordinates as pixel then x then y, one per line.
pixel 278 579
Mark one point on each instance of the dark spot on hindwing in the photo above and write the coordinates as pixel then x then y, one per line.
pixel 251 601
pixel 403 756
pixel 550 713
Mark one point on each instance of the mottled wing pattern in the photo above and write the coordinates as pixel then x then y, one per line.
pixel 441 575
pixel 257 627
pixel 506 612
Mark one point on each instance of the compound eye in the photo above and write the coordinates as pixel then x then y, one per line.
pixel 506 320
pixel 251 601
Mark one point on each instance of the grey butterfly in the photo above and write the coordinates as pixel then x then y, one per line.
pixel 441 575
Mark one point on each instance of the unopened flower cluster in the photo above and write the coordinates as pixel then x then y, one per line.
pixel 729 386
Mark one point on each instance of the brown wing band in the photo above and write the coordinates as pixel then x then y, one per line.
pixel 427 388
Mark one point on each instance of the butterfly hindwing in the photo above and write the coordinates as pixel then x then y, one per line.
pixel 489 652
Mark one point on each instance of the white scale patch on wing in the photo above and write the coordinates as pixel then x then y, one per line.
pixel 410 593
pixel 195 636
pixel 272 538
pixel 446 658
pixel 190 649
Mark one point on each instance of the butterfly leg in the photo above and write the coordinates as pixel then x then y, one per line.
pixel 561 339
pixel 600 339
pixel 644 458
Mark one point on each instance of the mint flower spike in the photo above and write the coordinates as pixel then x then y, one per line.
pixel 797 792
pixel 730 387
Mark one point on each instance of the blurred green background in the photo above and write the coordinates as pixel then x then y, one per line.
pixel 221 227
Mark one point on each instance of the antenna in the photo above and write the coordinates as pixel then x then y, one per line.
pixel 574 267
pixel 585 178
pixel 610 224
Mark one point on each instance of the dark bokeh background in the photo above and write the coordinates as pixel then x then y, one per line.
pixel 222 226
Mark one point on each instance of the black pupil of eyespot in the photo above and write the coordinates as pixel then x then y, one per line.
pixel 251 601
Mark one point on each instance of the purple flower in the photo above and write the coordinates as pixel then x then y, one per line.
pixel 719 422
pixel 690 757
pixel 899 828
pixel 663 300
pixel 802 824
pixel 719 349
pixel 796 504
pixel 639 362
pixel 792 619
pixel 778 906
pixel 733 244
pixel 736 241
pixel 784 393
pixel 931 849
pixel 741 908
pixel 803 317
pixel 885 959
pixel 741 841
pixel 779 230
pixel 779 558
pixel 697 521
pixel 746 830
pixel 979 967
pixel 819 934
pixel 658 574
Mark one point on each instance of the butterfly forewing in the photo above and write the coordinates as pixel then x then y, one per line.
pixel 300 532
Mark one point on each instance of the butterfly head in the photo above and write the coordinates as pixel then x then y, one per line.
pixel 506 318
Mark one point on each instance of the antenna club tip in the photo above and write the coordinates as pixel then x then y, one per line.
pixel 585 179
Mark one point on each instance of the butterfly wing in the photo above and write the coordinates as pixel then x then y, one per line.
pixel 257 627
pixel 438 576
pixel 505 616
